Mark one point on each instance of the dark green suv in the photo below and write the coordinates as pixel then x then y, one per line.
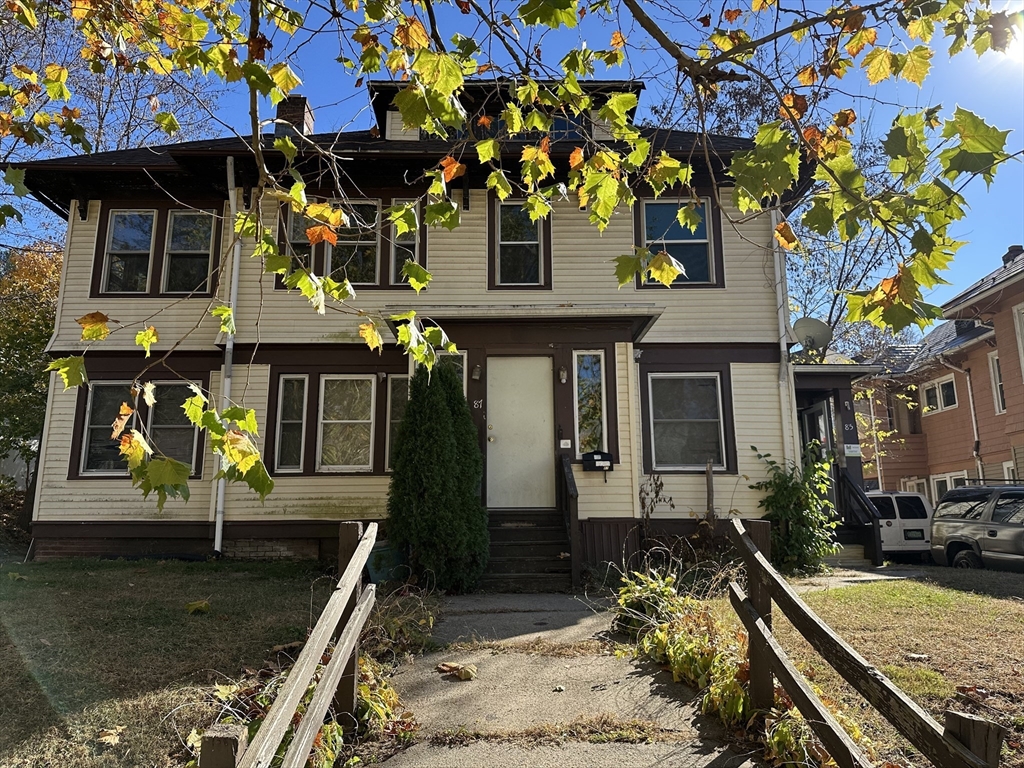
pixel 980 527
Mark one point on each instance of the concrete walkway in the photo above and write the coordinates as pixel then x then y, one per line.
pixel 544 661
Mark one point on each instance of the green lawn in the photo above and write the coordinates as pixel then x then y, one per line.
pixel 88 645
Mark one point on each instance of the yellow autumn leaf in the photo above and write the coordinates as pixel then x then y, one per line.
pixel 94 326
pixel 371 336
pixel 124 413
pixel 412 34
pixel 784 234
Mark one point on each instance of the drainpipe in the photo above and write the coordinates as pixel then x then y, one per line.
pixel 874 440
pixel 229 349
pixel 974 416
pixel 787 403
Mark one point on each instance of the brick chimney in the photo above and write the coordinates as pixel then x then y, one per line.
pixel 1012 253
pixel 295 111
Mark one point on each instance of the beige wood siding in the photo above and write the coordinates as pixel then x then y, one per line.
pixel 173 317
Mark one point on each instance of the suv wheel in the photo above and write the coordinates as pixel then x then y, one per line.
pixel 966 558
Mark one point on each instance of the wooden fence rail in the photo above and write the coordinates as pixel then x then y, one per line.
pixel 965 742
pixel 342 620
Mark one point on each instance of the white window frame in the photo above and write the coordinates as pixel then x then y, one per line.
pixel 195 430
pixel 209 252
pixel 304 377
pixel 393 277
pixel 329 266
pixel 372 378
pixel 1018 324
pixel 576 401
pixel 708 240
pixel 650 419
pixel 387 441
pixel 498 242
pixel 995 373
pixel 104 287
pixel 82 470
pixel 1009 470
pixel 950 478
pixel 937 384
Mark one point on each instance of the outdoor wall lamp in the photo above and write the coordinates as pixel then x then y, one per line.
pixel 563 375
pixel 477 373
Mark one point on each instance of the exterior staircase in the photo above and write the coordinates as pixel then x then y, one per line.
pixel 529 552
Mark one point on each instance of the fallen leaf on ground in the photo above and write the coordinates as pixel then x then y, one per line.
pixel 16 576
pixel 559 689
pixel 917 657
pixel 287 647
pixel 461 671
pixel 198 606
pixel 111 736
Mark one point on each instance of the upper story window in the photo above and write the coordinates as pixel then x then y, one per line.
pixel 996 374
pixel 156 251
pixel 357 254
pixel 938 395
pixel 520 248
pixel 695 251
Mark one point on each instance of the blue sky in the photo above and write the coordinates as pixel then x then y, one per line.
pixel 991 86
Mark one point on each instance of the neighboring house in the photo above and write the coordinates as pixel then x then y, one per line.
pixel 672 377
pixel 951 409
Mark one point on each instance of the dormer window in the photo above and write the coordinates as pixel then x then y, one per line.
pixel 520 248
pixel 657 229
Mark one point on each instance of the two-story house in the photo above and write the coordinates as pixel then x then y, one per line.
pixel 951 409
pixel 671 377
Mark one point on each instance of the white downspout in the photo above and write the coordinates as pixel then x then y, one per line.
pixel 787 399
pixel 229 348
pixel 974 416
pixel 874 439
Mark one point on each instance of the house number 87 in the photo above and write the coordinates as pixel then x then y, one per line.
pixel 478 404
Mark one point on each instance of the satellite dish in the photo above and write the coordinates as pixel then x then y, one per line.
pixel 812 333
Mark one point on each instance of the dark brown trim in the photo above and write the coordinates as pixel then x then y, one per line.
pixel 718 250
pixel 157 255
pixel 685 363
pixel 546 255
pixel 101 368
pixel 653 354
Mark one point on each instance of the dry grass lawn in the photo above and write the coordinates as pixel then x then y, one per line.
pixel 88 645
pixel 970 624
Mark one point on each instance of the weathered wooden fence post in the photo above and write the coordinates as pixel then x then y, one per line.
pixel 981 737
pixel 223 745
pixel 349 534
pixel 762 683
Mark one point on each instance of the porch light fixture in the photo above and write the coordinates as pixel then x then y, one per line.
pixel 563 375
pixel 477 372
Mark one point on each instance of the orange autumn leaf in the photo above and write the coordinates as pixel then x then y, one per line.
pixel 784 234
pixel 576 158
pixel 484 121
pixel 321 233
pixel 484 68
pixel 618 41
pixel 813 137
pixel 124 413
pixel 807 76
pixel 732 14
pixel 451 168
pixel 705 20
pixel 412 34
pixel 94 326
pixel 545 145
pixel 794 106
pixel 844 118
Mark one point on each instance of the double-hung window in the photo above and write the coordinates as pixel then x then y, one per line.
pixel 347 406
pixel 996 374
pixel 404 247
pixel 170 431
pixel 939 395
pixel 686 427
pixel 398 400
pixel 291 423
pixel 187 255
pixel 355 256
pixel 298 245
pixel 693 250
pixel 590 404
pixel 129 251
pixel 519 253
pixel 101 453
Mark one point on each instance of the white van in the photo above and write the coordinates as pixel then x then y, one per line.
pixel 906 521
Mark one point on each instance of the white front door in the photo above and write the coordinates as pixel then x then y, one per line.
pixel 520 433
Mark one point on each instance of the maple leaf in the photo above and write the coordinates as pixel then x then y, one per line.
pixel 484 121
pixel 94 326
pixel 808 75
pixel 794 106
pixel 321 233
pixel 618 41
pixel 705 20
pixel 412 34
pixel 576 158
pixel 111 736
pixel 146 338
pixel 124 413
pixel 731 14
pixel 844 118
pixel 784 234
pixel 371 336
pixel 484 68
pixel 451 168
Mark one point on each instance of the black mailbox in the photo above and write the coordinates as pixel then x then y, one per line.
pixel 597 461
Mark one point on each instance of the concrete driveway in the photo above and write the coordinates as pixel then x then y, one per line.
pixel 545 662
